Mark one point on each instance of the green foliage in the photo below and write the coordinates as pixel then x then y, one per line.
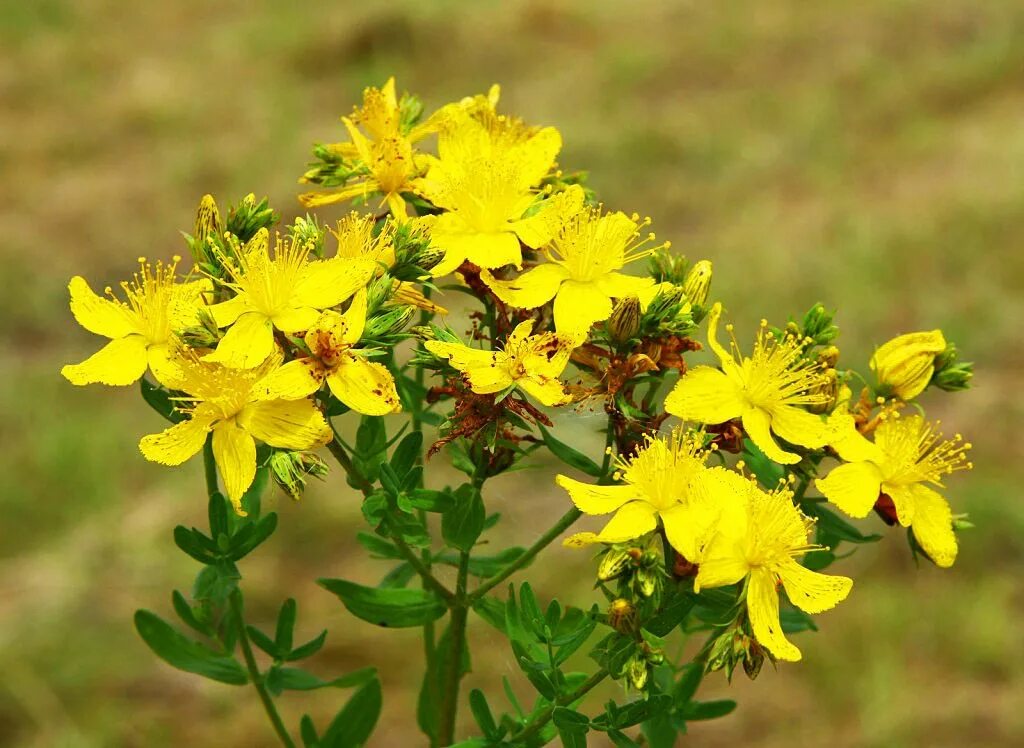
pixel 395 608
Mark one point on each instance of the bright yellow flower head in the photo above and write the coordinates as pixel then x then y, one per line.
pixel 582 274
pixel 764 550
pixel 360 241
pixel 233 404
pixel 285 291
pixel 365 387
pixel 907 453
pixel 905 364
pixel 487 188
pixel 381 148
pixel 666 479
pixel 768 390
pixel 141 329
pixel 532 363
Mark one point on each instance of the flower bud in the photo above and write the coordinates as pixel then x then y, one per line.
pixel 613 563
pixel 817 325
pixel 207 219
pixel 697 283
pixel 950 375
pixel 290 470
pixel 202 335
pixel 904 365
pixel 753 660
pixel 829 357
pixel 637 671
pixel 625 320
pixel 621 615
pixel 390 322
pixel 648 582
pixel 828 390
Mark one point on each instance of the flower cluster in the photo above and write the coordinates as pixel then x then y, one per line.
pixel 259 351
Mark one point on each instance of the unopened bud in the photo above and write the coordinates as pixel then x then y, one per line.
pixel 829 357
pixel 390 322
pixel 950 375
pixel 753 660
pixel 904 365
pixel 648 582
pixel 625 320
pixel 637 671
pixel 291 469
pixel 817 325
pixel 207 219
pixel 825 392
pixel 621 615
pixel 697 283
pixel 613 563
pixel 205 334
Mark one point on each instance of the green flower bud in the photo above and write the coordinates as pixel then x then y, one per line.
pixel 205 334
pixel 390 322
pixel 613 563
pixel 637 671
pixel 291 469
pixel 950 375
pixel 625 320
pixel 817 325
pixel 697 283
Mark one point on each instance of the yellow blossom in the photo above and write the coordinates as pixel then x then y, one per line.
pixel 905 364
pixel 582 274
pixel 907 453
pixel 763 549
pixel 767 390
pixel 381 148
pixel 141 329
pixel 667 479
pixel 363 386
pixel 361 241
pixel 286 292
pixel 488 192
pixel 234 406
pixel 532 363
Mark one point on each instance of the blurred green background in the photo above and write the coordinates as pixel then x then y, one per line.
pixel 869 155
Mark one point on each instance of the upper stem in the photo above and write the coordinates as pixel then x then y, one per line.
pixel 538 722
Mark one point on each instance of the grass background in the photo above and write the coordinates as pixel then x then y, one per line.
pixel 869 155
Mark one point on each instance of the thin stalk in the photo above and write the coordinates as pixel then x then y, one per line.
pixel 338 451
pixel 538 722
pixel 210 467
pixel 254 672
pixel 457 642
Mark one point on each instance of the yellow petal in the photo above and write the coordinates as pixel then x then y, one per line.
pixel 704 395
pixel 248 342
pixel 852 487
pixel 546 391
pixel 293 381
pixel 578 306
pixel 488 379
pixel 849 443
pixel 763 608
pixel 591 499
pixel 729 492
pixel 354 318
pixel 235 453
pixel 364 386
pixel 226 312
pixel 176 444
pixel 728 363
pixel 617 285
pixel 288 424
pixel 933 526
pixel 325 283
pixel 688 527
pixel 163 365
pixel 538 154
pixel 581 540
pixel 98 315
pixel 462 357
pixel 539 228
pixel 799 427
pixel 756 424
pixel 631 521
pixel 491 250
pixel 297 319
pixel 812 591
pixel 904 500
pixel 531 289
pixel 120 362
pixel 722 563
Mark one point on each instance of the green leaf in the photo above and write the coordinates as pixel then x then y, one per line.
pixel 286 625
pixel 491 610
pixel 634 713
pixel 185 654
pixel 396 608
pixel 217 511
pixel 570 456
pixel 354 724
pixel 832 527
pixel 482 713
pixel 572 727
pixel 377 546
pixel 484 566
pixel 689 680
pixel 371 444
pixel 430 500
pixel 215 583
pixel 264 642
pixel 250 537
pixel 407 453
pixel 296 679
pixel 794 620
pixel 195 544
pixel 307 731
pixel 674 611
pixel 462 524
pixel 308 649
pixel 159 399
pixel 699 710
pixel 186 614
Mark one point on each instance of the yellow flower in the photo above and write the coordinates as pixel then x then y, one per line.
pixel 363 386
pixel 286 291
pixel 488 192
pixel 905 364
pixel 382 151
pixel 907 453
pixel 141 330
pixel 359 241
pixel 532 363
pixel 767 390
pixel 763 549
pixel 667 480
pixel 582 274
pixel 234 406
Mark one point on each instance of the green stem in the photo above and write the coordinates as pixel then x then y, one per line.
pixel 254 672
pixel 210 467
pixel 338 451
pixel 456 645
pixel 538 722
pixel 429 580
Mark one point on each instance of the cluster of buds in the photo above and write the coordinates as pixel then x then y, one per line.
pixel 639 572
pixel 733 647
pixel 291 470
